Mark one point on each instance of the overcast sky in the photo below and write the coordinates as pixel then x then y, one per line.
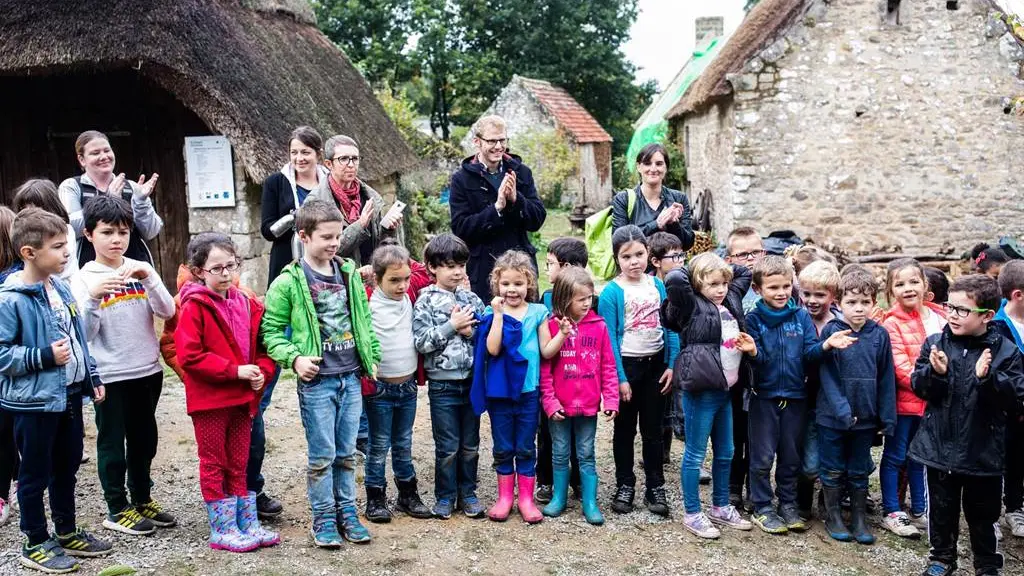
pixel 662 38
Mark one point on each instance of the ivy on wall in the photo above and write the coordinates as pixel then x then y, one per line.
pixel 552 160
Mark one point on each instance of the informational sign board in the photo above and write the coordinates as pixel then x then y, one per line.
pixel 211 176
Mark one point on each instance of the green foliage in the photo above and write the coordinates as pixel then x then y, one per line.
pixel 624 174
pixel 117 570
pixel 426 215
pixel 457 55
pixel 402 112
pixel 552 161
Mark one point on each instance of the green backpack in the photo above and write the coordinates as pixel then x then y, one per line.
pixel 597 235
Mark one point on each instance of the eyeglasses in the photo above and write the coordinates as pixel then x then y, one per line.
pixel 961 311
pixel 220 270
pixel 348 160
pixel 677 257
pixel 747 255
pixel 498 143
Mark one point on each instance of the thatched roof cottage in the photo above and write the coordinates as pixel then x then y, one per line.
pixel 150 73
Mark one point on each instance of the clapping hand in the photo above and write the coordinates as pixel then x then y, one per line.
pixel 984 363
pixel 462 320
pixel 939 361
pixel 509 185
pixel 117 185
pixel 147 187
pixel 366 214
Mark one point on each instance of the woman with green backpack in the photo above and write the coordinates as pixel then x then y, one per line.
pixel 656 208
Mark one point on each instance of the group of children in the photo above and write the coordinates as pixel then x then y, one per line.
pixel 794 370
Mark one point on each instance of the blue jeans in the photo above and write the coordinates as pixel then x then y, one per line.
pixel 894 457
pixel 706 415
pixel 330 407
pixel 258 439
pixel 391 411
pixel 810 460
pixel 584 429
pixel 845 457
pixel 776 426
pixel 456 438
pixel 514 430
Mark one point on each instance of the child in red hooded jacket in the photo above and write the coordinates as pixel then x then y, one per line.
pixel 225 369
pixel 574 385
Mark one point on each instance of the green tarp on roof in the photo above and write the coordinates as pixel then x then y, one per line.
pixel 652 126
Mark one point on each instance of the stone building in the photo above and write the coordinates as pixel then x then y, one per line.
pixel 534 108
pixel 818 117
pixel 150 73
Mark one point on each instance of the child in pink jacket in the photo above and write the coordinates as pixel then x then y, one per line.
pixel 573 385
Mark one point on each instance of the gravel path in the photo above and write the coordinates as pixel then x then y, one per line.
pixel 637 543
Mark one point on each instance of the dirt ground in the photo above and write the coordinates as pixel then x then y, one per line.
pixel 637 543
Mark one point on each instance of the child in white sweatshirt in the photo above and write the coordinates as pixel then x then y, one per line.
pixel 118 297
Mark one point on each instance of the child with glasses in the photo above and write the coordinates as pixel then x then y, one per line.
pixel 224 369
pixel 967 376
pixel 743 248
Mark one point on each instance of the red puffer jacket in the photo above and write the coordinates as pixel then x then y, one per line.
pixel 209 355
pixel 906 330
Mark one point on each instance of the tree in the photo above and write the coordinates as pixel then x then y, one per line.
pixel 374 34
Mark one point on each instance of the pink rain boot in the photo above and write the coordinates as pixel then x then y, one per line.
pixel 506 495
pixel 527 509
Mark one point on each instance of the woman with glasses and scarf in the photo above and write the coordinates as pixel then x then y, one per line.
pixel 656 207
pixel 360 205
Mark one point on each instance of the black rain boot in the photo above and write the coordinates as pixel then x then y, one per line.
pixel 834 515
pixel 377 505
pixel 859 517
pixel 804 497
pixel 409 500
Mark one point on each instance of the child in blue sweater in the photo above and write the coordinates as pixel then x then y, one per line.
pixel 857 399
pixel 786 340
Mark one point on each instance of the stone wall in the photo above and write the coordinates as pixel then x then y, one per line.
pixel 870 136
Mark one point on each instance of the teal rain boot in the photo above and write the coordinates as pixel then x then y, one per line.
pixel 559 493
pixel 590 509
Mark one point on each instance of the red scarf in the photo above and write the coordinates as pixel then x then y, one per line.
pixel 348 199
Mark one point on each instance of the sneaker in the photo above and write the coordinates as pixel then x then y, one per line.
pixel 543 495
pixel 81 543
pixel 622 503
pixel 443 509
pixel 791 518
pixel 1015 520
pixel 352 529
pixel 325 533
pixel 919 521
pixel 47 557
pixel 700 525
pixel 155 514
pixel 729 516
pixel 5 512
pixel 656 501
pixel 268 507
pixel 999 532
pixel 130 522
pixel 899 524
pixel 705 476
pixel 768 520
pixel 472 507
pixel 938 569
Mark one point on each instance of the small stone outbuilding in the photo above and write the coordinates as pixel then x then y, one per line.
pixel 820 118
pixel 150 73
pixel 535 108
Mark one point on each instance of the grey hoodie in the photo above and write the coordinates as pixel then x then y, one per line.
pixel 447 355
pixel 119 328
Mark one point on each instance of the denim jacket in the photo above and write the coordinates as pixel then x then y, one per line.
pixel 30 379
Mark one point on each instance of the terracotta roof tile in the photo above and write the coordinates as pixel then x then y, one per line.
pixel 567 111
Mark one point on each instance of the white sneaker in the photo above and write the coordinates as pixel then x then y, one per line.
pixel 1015 520
pixel 728 516
pixel 5 512
pixel 700 525
pixel 999 532
pixel 899 524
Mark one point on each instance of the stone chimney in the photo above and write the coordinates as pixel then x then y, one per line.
pixel 709 27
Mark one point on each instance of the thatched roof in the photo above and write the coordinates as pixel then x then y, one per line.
pixel 766 22
pixel 251 69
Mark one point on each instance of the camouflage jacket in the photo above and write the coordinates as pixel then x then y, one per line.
pixel 447 355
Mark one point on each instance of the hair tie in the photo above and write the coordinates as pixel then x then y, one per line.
pixel 978 260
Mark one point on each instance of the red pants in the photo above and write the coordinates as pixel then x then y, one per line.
pixel 222 438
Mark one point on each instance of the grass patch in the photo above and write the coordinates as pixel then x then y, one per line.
pixel 556 225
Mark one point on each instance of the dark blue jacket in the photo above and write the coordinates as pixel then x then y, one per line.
pixel 487 233
pixel 858 384
pixel 499 376
pixel 786 342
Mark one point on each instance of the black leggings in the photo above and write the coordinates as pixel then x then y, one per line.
pixel 9 460
pixel 648 407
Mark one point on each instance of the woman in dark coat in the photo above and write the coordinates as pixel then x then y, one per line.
pixel 656 208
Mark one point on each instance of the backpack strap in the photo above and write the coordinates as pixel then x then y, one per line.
pixel 630 203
